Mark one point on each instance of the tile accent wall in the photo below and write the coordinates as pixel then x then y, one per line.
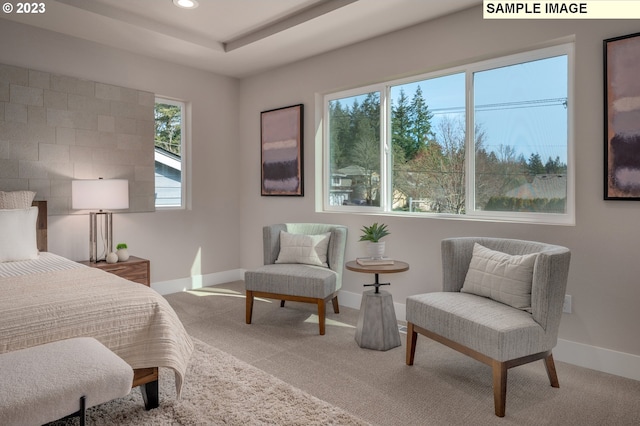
pixel 55 128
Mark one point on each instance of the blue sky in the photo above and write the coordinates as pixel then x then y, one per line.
pixel 521 105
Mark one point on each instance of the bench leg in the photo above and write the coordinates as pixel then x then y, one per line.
pixel 150 395
pixel 83 410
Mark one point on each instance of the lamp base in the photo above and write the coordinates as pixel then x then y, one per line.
pixel 107 235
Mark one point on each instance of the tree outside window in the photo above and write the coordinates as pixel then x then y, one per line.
pixel 520 142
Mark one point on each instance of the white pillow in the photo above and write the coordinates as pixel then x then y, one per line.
pixel 502 277
pixel 301 248
pixel 16 199
pixel 18 231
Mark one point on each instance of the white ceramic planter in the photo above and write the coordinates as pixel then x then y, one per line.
pixel 112 258
pixel 123 254
pixel 376 250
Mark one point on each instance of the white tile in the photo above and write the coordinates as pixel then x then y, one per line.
pixel 61 83
pixel 14 75
pixel 106 123
pixel 26 95
pixel 52 153
pixel 16 112
pixel 39 79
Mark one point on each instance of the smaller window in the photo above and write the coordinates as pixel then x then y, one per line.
pixel 169 153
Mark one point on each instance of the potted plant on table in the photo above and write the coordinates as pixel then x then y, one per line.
pixel 122 252
pixel 373 234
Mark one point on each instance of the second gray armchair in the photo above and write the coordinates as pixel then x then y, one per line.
pixel 501 304
pixel 303 262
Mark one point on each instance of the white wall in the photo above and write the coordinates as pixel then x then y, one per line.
pixel 180 243
pixel 604 271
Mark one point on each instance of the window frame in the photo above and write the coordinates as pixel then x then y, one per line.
pixel 184 131
pixel 471 213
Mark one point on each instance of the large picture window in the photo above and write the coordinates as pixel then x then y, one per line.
pixel 489 140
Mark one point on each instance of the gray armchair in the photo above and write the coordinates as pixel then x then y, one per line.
pixel 481 321
pixel 285 278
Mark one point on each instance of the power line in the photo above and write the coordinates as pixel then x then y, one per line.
pixel 533 103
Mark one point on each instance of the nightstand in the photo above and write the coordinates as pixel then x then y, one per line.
pixel 134 269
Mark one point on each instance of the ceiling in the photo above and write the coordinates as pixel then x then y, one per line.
pixel 234 37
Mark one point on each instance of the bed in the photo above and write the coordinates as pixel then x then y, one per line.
pixel 47 298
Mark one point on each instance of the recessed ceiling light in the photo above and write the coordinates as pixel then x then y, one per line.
pixel 186 4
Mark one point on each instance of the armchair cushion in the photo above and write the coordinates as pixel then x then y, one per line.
pixel 479 323
pixel 292 279
pixel 500 276
pixel 305 249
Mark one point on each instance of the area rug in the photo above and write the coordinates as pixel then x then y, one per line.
pixel 220 390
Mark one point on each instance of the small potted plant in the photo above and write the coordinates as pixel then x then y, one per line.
pixel 373 234
pixel 122 252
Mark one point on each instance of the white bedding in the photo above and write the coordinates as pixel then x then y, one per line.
pixel 46 262
pixel 52 298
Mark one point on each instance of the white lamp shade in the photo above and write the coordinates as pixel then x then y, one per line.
pixel 100 194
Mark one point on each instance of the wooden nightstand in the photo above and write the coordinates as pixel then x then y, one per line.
pixel 134 269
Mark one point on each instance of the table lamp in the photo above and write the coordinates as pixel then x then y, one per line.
pixel 100 194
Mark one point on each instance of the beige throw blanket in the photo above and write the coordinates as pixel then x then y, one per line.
pixel 131 319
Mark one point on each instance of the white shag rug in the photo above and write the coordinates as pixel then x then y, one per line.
pixel 220 390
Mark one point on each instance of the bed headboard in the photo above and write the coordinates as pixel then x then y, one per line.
pixel 41 225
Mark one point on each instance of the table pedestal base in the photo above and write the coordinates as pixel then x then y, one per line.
pixel 377 325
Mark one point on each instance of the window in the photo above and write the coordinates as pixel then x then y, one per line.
pixel 489 140
pixel 169 153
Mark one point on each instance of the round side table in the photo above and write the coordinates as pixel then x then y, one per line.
pixel 377 324
pixel 397 266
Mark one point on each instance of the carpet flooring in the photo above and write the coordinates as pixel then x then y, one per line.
pixel 220 390
pixel 443 387
pixel 279 371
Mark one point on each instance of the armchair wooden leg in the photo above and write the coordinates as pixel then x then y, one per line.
pixel 249 312
pixel 551 371
pixel 282 303
pixel 321 315
pixel 499 387
pixel 412 338
pixel 336 307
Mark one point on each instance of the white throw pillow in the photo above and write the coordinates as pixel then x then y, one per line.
pixel 502 277
pixel 16 199
pixel 18 231
pixel 301 248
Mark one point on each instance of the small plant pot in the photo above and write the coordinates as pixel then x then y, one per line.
pixel 376 250
pixel 112 258
pixel 123 255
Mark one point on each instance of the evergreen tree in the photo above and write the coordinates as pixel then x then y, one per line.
pixel 420 119
pixel 535 166
pixel 555 166
pixel 401 128
pixel 168 126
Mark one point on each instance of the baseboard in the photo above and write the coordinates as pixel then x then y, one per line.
pixel 593 357
pixel 596 358
pixel 197 281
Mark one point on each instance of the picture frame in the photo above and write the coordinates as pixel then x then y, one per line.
pixel 281 143
pixel 622 118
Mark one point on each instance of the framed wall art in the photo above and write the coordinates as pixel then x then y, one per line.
pixel 282 153
pixel 622 118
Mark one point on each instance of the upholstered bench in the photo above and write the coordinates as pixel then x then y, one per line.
pixel 59 379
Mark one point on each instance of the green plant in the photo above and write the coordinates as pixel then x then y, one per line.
pixel 121 246
pixel 374 232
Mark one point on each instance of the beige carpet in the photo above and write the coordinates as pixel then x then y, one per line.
pixel 220 390
pixel 442 388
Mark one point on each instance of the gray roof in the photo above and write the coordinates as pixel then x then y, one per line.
pixel 543 186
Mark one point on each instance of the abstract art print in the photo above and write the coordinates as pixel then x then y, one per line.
pixel 281 142
pixel 622 118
